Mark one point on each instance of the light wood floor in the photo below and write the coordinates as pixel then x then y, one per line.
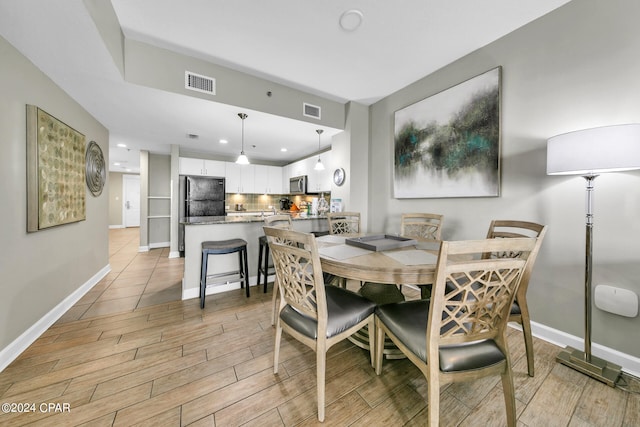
pixel 131 353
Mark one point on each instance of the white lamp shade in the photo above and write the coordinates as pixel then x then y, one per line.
pixel 594 151
pixel 242 159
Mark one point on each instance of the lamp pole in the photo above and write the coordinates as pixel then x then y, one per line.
pixel 584 361
pixel 588 269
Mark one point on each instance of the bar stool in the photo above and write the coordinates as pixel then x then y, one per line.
pixel 224 247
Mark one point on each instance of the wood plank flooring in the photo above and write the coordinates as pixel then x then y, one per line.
pixel 130 353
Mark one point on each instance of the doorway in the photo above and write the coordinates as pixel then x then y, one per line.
pixel 131 200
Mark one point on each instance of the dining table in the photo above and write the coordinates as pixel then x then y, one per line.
pixel 413 263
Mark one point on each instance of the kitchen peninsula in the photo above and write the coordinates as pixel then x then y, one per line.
pixel 249 228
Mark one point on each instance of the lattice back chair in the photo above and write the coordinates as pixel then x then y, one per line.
pixel 319 316
pixel 460 334
pixel 520 309
pixel 422 226
pixel 280 221
pixel 344 222
pixel 425 226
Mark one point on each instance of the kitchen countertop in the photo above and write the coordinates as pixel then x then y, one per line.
pixel 230 219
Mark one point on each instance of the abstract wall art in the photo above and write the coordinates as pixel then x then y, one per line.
pixel 55 172
pixel 448 145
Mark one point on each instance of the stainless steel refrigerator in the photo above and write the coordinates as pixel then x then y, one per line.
pixel 200 196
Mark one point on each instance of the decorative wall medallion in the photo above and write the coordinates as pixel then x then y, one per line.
pixel 339 176
pixel 95 169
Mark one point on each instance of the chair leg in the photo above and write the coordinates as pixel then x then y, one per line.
pixel 509 395
pixel 276 347
pixel 528 338
pixel 266 267
pixel 321 367
pixel 379 343
pixel 245 268
pixel 372 341
pixel 203 279
pixel 260 248
pixel 274 301
pixel 433 400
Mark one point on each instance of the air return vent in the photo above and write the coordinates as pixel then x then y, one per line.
pixel 309 110
pixel 199 83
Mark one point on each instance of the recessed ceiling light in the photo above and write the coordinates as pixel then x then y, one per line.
pixel 223 141
pixel 351 20
pixel 116 164
pixel 283 150
pixel 122 145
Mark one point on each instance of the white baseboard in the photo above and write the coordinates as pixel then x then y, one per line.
pixel 158 245
pixel 174 254
pixel 28 337
pixel 143 249
pixel 116 226
pixel 195 292
pixel 630 364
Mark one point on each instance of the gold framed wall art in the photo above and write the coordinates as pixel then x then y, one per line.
pixel 55 172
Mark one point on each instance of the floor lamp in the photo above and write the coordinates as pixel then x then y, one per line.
pixel 591 152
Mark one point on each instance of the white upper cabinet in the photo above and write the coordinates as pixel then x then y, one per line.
pixel 268 179
pixel 190 166
pixel 275 180
pixel 263 179
pixel 240 178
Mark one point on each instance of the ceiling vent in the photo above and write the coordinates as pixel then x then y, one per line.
pixel 309 110
pixel 199 83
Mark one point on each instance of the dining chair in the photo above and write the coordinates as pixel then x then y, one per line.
pixel 520 310
pixel 280 221
pixel 318 316
pixel 422 226
pixel 460 333
pixel 344 222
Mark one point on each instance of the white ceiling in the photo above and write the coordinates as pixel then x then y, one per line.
pixel 298 43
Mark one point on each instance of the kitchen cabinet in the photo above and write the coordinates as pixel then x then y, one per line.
pixel 240 178
pixel 319 181
pixel 268 179
pixel 191 166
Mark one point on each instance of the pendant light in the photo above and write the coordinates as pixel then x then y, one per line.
pixel 242 158
pixel 319 166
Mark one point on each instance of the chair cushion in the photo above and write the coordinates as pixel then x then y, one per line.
pixel 408 322
pixel 223 246
pixel 344 309
pixel 381 293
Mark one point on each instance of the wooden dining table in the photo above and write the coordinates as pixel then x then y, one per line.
pixel 409 265
pixel 389 266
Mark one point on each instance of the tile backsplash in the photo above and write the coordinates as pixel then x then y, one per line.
pixel 259 202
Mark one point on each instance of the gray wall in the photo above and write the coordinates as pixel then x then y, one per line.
pixel 115 199
pixel 39 270
pixel 573 69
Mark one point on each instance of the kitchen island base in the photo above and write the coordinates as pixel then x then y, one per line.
pixel 226 228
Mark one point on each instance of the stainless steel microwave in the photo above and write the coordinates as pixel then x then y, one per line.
pixel 298 185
